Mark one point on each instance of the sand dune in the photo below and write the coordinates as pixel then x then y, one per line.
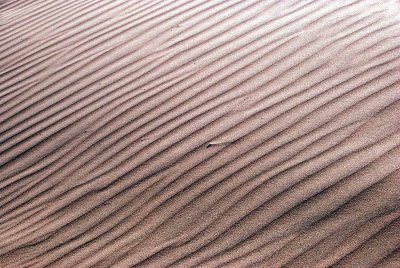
pixel 188 133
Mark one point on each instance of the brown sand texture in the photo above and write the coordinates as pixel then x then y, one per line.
pixel 195 133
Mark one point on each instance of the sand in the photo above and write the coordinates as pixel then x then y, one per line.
pixel 189 133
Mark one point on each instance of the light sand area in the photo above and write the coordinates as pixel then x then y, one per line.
pixel 195 133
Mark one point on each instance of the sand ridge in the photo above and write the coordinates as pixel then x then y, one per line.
pixel 185 133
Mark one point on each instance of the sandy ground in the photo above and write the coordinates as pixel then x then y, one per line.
pixel 189 133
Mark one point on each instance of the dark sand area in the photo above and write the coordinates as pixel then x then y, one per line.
pixel 195 133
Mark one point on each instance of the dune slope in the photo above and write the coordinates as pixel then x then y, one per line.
pixel 186 133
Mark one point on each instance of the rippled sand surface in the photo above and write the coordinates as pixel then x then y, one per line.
pixel 190 133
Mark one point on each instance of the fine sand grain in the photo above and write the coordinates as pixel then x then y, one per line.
pixel 194 133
